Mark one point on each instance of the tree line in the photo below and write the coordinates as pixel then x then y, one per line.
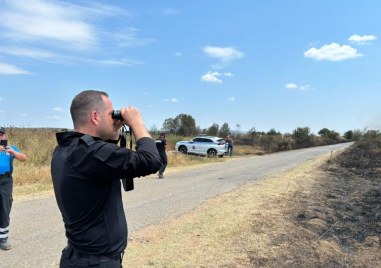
pixel 272 140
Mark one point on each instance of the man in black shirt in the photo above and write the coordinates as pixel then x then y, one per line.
pixel 86 171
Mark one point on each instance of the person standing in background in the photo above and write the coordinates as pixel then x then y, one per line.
pixel 7 154
pixel 229 140
pixel 161 142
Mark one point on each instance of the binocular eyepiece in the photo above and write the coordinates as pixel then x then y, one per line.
pixel 116 115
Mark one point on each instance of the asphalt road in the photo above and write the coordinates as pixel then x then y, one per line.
pixel 37 232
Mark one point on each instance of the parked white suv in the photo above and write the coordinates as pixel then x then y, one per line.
pixel 203 145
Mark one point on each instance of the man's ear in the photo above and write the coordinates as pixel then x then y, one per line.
pixel 94 117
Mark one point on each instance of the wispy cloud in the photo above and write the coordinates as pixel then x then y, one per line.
pixel 28 52
pixel 11 69
pixel 212 77
pixel 171 100
pixel 171 11
pixel 128 38
pixel 295 86
pixel 53 117
pixel 58 109
pixel 304 87
pixel 362 39
pixel 231 99
pixel 332 52
pixel 45 55
pixel 116 62
pixel 49 30
pixel 48 21
pixel 225 55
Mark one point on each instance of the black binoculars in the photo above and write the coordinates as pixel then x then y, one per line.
pixel 116 115
pixel 128 185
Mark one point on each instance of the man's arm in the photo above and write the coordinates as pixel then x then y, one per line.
pixel 19 156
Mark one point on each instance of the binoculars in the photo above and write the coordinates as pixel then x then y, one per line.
pixel 116 115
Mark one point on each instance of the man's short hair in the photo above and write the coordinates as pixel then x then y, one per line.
pixel 84 103
pixel 2 130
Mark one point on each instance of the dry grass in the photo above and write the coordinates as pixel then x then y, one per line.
pixel 38 146
pixel 258 225
pixel 220 233
pixel 247 150
pixel 178 160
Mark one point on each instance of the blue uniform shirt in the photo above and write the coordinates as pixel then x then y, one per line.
pixel 6 160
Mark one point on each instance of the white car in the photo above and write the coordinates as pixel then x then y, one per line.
pixel 203 145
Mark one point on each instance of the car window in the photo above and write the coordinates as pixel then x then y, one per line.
pixel 208 140
pixel 197 139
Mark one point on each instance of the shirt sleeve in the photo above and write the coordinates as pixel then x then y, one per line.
pixel 104 161
pixel 15 148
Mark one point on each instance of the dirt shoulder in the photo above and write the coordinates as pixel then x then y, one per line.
pixel 325 213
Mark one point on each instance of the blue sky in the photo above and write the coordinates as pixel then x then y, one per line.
pixel 263 64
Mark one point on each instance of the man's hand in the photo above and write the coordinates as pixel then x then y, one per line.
pixel 19 156
pixel 133 118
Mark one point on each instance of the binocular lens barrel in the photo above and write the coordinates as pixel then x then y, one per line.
pixel 116 115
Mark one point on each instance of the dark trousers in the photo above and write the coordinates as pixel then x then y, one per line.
pixel 230 150
pixel 72 259
pixel 164 161
pixel 6 188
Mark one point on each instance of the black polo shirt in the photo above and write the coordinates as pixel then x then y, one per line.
pixel 86 175
pixel 160 144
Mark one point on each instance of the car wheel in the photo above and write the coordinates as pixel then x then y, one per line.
pixel 212 153
pixel 183 149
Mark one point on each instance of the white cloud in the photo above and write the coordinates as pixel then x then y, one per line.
pixel 231 99
pixel 291 85
pixel 361 40
pixel 295 86
pixel 171 100
pixel 332 52
pixel 224 54
pixel 212 77
pixel 11 69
